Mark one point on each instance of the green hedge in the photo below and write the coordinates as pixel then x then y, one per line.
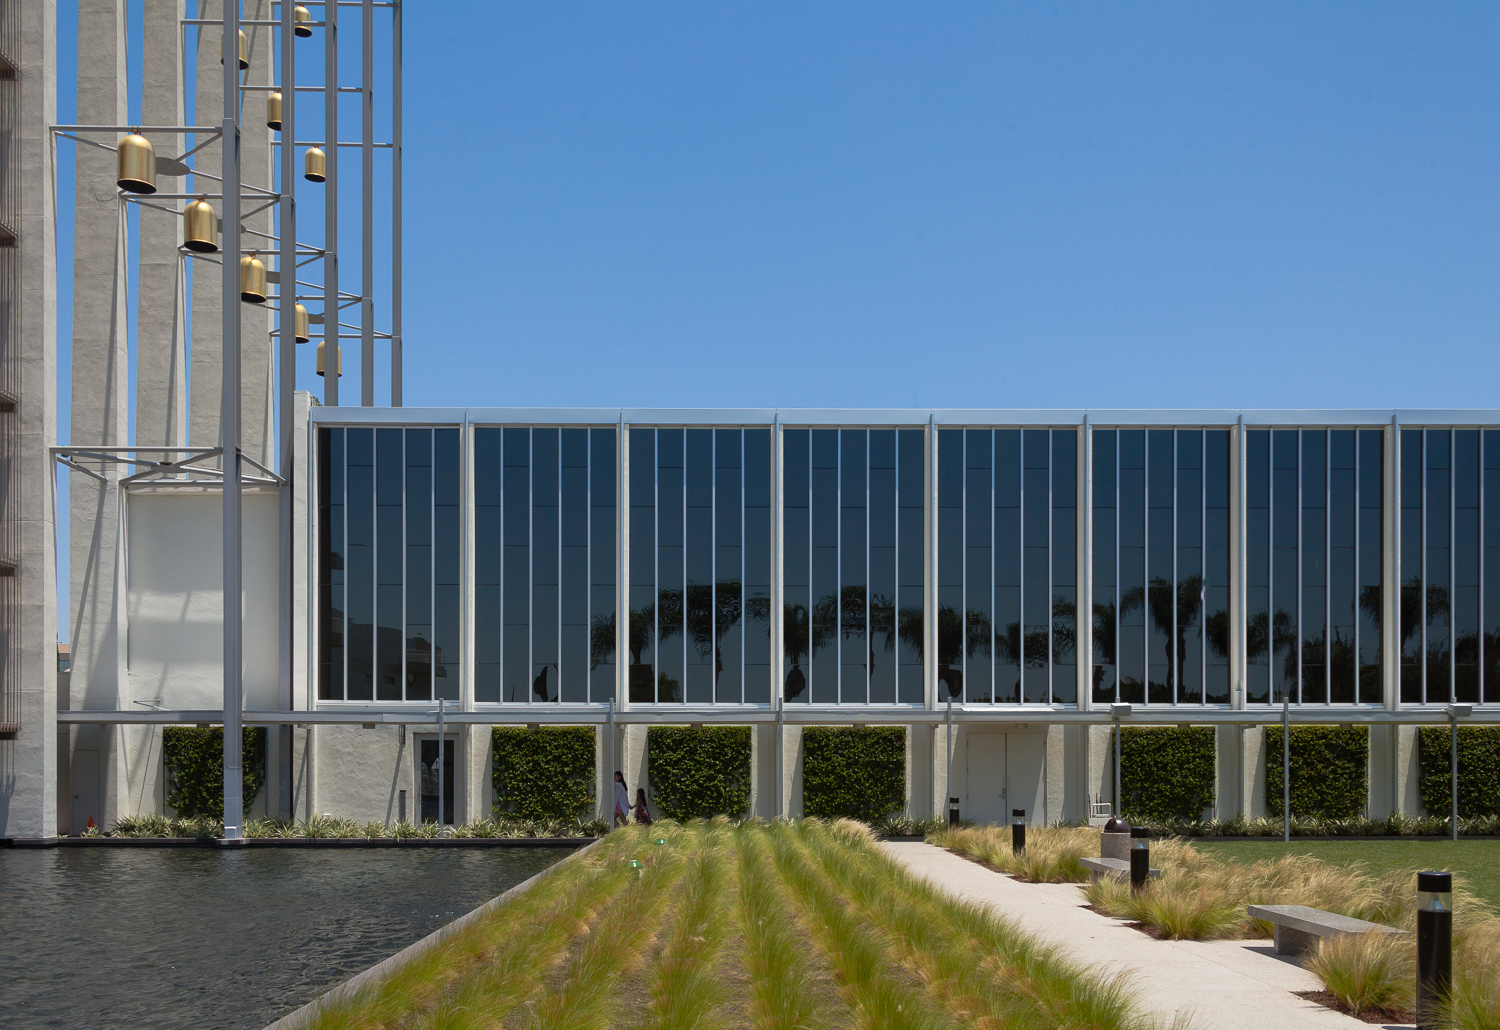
pixel 194 757
pixel 543 773
pixel 1478 770
pixel 1330 767
pixel 1166 772
pixel 699 772
pixel 859 772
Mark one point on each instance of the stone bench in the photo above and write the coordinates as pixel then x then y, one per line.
pixel 1101 867
pixel 1298 928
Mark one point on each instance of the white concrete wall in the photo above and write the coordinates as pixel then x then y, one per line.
pixel 176 598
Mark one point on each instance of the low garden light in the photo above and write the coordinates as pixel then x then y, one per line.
pixel 1018 830
pixel 1140 859
pixel 659 840
pixel 1434 944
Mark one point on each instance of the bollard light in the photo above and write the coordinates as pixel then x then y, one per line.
pixel 1434 944
pixel 952 812
pixel 1140 859
pixel 1017 830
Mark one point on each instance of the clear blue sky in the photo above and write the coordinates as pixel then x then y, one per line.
pixel 952 204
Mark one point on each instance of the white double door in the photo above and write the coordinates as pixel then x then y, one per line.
pixel 1006 771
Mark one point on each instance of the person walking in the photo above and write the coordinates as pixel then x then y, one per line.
pixel 642 812
pixel 622 800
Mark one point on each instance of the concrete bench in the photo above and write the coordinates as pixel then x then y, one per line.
pixel 1101 867
pixel 1298 928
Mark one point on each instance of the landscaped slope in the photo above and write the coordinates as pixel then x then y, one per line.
pixel 780 926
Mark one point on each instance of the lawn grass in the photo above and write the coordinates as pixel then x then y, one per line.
pixel 784 926
pixel 1476 861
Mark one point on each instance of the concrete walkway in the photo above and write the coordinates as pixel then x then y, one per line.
pixel 1241 985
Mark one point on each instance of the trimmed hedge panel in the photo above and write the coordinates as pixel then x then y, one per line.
pixel 1478 770
pixel 855 773
pixel 698 772
pixel 1330 770
pixel 543 773
pixel 194 756
pixel 1166 772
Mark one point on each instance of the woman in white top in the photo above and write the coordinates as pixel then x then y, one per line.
pixel 622 800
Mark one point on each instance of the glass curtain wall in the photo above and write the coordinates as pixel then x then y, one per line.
pixel 1450 566
pixel 700 565
pixel 853 565
pixel 544 564
pixel 388 557
pixel 1007 565
pixel 1312 565
pixel 1161 566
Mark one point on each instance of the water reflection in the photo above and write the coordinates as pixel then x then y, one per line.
pixel 201 938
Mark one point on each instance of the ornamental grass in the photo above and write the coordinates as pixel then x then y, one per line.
pixel 802 925
pixel 1052 853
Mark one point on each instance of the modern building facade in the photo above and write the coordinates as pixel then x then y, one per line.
pixel 997 581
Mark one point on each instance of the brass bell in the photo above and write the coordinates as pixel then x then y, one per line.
pixel 320 359
pixel 273 109
pixel 314 165
pixel 244 52
pixel 301 21
pixel 252 280
pixel 200 230
pixel 136 165
pixel 299 324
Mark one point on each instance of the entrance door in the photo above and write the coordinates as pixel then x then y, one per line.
pixel 1025 760
pixel 985 802
pixel 427 779
pixel 85 790
pixel 1005 771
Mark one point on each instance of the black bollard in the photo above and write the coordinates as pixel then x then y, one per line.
pixel 1140 859
pixel 1017 830
pixel 952 812
pixel 1434 944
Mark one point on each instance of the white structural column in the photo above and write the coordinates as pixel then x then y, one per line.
pixel 230 397
pixel 28 763
pixel 161 281
pixel 206 358
pixel 99 412
pixel 258 432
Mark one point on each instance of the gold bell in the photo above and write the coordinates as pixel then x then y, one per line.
pixel 314 165
pixel 320 359
pixel 244 51
pixel 136 165
pixel 299 324
pixel 273 109
pixel 301 21
pixel 252 280
pixel 200 230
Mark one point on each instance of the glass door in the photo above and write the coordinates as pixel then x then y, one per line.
pixel 427 777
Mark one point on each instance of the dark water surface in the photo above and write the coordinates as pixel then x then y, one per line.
pixel 96 937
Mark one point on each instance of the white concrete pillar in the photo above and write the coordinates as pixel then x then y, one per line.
pixel 161 280
pixel 258 427
pixel 100 379
pixel 1228 772
pixel 29 763
pixel 1253 772
pixel 206 357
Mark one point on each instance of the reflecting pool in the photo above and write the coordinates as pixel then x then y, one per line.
pixel 97 937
